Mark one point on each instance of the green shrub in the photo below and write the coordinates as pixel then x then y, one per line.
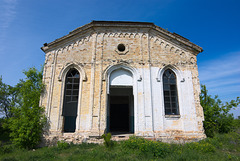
pixel 62 145
pixel 107 140
pixel 134 142
pixel 204 147
pixel 9 158
pixel 215 141
pixel 217 114
pixel 28 119
pixel 221 147
pixel 6 149
pixel 4 133
pixel 157 149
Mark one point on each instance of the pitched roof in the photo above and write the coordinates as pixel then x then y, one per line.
pixel 129 24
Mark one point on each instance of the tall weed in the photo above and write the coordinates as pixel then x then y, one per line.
pixel 107 140
pixel 62 145
pixel 157 149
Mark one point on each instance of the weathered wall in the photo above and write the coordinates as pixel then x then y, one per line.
pixel 147 55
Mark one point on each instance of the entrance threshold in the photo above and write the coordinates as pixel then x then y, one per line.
pixel 122 136
pixel 121 133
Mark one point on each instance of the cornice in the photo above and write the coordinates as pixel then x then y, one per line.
pixel 95 25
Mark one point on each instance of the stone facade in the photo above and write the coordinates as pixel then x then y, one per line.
pixel 147 51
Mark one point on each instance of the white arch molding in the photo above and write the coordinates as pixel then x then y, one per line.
pixel 179 80
pixel 136 77
pixel 107 72
pixel 121 77
pixel 70 65
pixel 62 78
pixel 177 72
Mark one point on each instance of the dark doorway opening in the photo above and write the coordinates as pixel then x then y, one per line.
pixel 120 111
pixel 119 114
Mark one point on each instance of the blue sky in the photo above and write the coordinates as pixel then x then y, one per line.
pixel 212 24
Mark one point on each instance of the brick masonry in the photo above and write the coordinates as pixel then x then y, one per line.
pixel 150 50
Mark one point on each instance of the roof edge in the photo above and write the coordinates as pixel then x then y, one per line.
pixel 150 25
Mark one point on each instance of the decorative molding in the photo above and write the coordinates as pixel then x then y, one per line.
pixel 47 57
pixel 125 66
pixel 192 60
pixel 84 40
pixel 122 52
pixel 94 25
pixel 76 43
pixel 167 46
pixel 107 72
pixel 70 65
pixel 174 69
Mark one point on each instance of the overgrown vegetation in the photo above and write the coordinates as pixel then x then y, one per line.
pixel 24 119
pixel 220 147
pixel 62 145
pixel 107 140
pixel 216 114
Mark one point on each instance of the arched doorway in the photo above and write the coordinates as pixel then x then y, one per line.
pixel 120 113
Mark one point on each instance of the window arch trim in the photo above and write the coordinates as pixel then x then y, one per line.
pixel 70 100
pixel 179 79
pixel 175 69
pixel 68 66
pixel 170 94
pixel 61 78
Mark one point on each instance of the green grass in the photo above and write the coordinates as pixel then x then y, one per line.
pixel 221 147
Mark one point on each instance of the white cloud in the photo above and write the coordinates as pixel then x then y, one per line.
pixel 7 15
pixel 222 77
pixel 222 82
pixel 224 67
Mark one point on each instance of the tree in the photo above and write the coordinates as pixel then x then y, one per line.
pixel 28 119
pixel 8 98
pixel 216 113
pixel 5 100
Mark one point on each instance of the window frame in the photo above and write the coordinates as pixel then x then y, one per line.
pixel 171 115
pixel 61 80
pixel 71 84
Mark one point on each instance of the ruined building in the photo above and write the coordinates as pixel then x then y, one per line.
pixel 124 78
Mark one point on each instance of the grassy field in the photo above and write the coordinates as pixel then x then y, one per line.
pixel 221 147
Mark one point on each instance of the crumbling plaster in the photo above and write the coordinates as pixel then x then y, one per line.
pixel 150 52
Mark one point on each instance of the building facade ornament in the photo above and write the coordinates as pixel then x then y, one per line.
pixel 122 77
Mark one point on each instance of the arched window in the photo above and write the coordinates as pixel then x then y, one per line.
pixel 70 103
pixel 170 93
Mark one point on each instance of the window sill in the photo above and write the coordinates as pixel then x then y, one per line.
pixel 172 116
